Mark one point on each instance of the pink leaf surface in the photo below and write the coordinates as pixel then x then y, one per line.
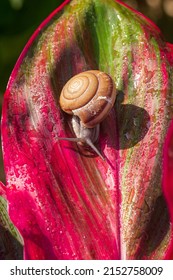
pixel 67 202
pixel 2 189
pixel 168 171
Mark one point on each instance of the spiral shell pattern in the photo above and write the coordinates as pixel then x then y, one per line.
pixel 89 95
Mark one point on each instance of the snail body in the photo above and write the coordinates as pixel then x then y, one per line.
pixel 88 97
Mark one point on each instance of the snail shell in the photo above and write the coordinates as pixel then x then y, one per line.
pixel 89 95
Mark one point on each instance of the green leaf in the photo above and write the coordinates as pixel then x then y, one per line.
pixel 11 244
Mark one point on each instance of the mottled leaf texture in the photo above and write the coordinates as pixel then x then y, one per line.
pixel 66 202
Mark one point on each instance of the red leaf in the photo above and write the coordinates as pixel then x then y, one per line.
pixel 67 202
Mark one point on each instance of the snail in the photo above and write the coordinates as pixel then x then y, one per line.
pixel 88 97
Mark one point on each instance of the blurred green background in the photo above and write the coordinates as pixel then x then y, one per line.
pixel 19 19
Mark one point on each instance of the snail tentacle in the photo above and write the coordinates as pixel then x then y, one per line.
pixel 85 141
pixel 89 143
pixel 84 135
pixel 70 139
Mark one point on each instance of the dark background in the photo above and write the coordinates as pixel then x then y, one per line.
pixel 19 19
